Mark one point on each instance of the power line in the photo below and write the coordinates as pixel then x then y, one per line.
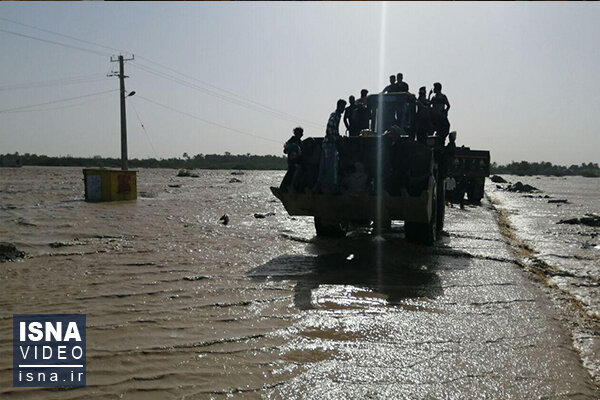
pixel 103 54
pixel 56 82
pixel 48 109
pixel 56 101
pixel 207 121
pixel 143 127
pixel 60 34
pixel 201 89
pixel 213 93
pixel 237 99
pixel 232 93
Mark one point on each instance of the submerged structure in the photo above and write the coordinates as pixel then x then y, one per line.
pixel 380 176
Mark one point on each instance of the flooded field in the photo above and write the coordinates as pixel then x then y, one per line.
pixel 179 305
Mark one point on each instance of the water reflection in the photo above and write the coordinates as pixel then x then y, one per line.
pixel 388 269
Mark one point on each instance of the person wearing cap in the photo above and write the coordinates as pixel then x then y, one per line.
pixel 293 149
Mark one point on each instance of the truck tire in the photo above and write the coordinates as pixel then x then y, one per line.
pixel 475 195
pixel 329 228
pixel 424 233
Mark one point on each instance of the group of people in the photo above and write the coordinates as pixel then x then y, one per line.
pixel 397 84
pixel 431 111
pixel 431 119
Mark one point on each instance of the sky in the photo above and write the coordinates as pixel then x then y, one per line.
pixel 215 77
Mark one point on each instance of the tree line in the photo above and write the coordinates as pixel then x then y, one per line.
pixel 199 161
pixel 269 162
pixel 546 168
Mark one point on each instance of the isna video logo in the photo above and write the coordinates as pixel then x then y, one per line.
pixel 48 350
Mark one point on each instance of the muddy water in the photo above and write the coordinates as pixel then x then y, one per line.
pixel 180 306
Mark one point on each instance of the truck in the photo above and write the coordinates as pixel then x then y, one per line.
pixel 405 178
pixel 468 169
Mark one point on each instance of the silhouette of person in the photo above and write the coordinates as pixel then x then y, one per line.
pixel 363 113
pixel 327 180
pixel 448 155
pixel 293 149
pixel 393 86
pixel 402 86
pixel 423 127
pixel 439 111
pixel 333 124
pixel 350 118
pixel 401 111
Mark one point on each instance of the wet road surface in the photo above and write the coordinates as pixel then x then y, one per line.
pixel 456 321
pixel 179 306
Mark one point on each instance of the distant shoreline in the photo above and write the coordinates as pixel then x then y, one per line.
pixel 199 161
pixel 269 162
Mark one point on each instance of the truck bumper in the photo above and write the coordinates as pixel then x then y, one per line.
pixel 357 207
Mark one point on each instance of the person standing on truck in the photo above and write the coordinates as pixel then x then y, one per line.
pixel 363 112
pixel 401 111
pixel 293 149
pixel 423 128
pixel 393 86
pixel 439 111
pixel 333 124
pixel 402 86
pixel 327 181
pixel 350 118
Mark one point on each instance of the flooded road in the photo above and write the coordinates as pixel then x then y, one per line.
pixel 180 306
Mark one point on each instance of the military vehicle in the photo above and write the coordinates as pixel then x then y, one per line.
pixel 405 178
pixel 469 170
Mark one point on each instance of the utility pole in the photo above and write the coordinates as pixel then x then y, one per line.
pixel 122 76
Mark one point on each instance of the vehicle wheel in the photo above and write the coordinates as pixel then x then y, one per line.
pixel 329 228
pixel 441 205
pixel 424 233
pixel 475 195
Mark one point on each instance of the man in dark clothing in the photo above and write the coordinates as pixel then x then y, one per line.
pixel 448 155
pixel 439 111
pixel 402 86
pixel 293 149
pixel 363 112
pixel 393 86
pixel 423 127
pixel 401 111
pixel 350 118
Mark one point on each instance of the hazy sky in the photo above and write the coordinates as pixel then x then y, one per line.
pixel 522 78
